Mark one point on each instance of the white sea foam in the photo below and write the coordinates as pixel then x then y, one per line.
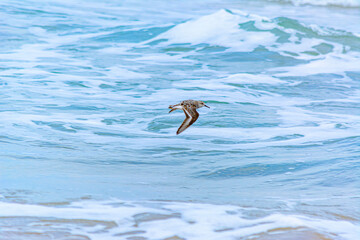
pixel 122 72
pixel 160 220
pixel 223 83
pixel 341 3
pixel 163 59
pixel 227 83
pixel 244 78
pixel 331 63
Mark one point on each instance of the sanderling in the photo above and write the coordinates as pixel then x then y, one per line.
pixel 191 115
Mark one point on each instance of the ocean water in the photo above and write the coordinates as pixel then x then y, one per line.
pixel 89 151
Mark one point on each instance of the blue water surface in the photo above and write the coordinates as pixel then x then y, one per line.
pixel 86 85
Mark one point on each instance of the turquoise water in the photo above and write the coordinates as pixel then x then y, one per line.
pixel 89 151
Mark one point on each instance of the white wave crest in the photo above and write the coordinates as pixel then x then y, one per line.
pixel 160 220
pixel 220 29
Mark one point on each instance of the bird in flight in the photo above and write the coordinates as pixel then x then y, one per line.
pixel 191 115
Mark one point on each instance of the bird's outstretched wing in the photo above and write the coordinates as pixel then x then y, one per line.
pixel 191 115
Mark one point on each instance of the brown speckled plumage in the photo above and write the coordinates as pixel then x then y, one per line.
pixel 191 115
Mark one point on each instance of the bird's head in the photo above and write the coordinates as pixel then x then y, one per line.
pixel 202 104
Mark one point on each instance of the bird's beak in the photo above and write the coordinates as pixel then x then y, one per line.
pixel 207 106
